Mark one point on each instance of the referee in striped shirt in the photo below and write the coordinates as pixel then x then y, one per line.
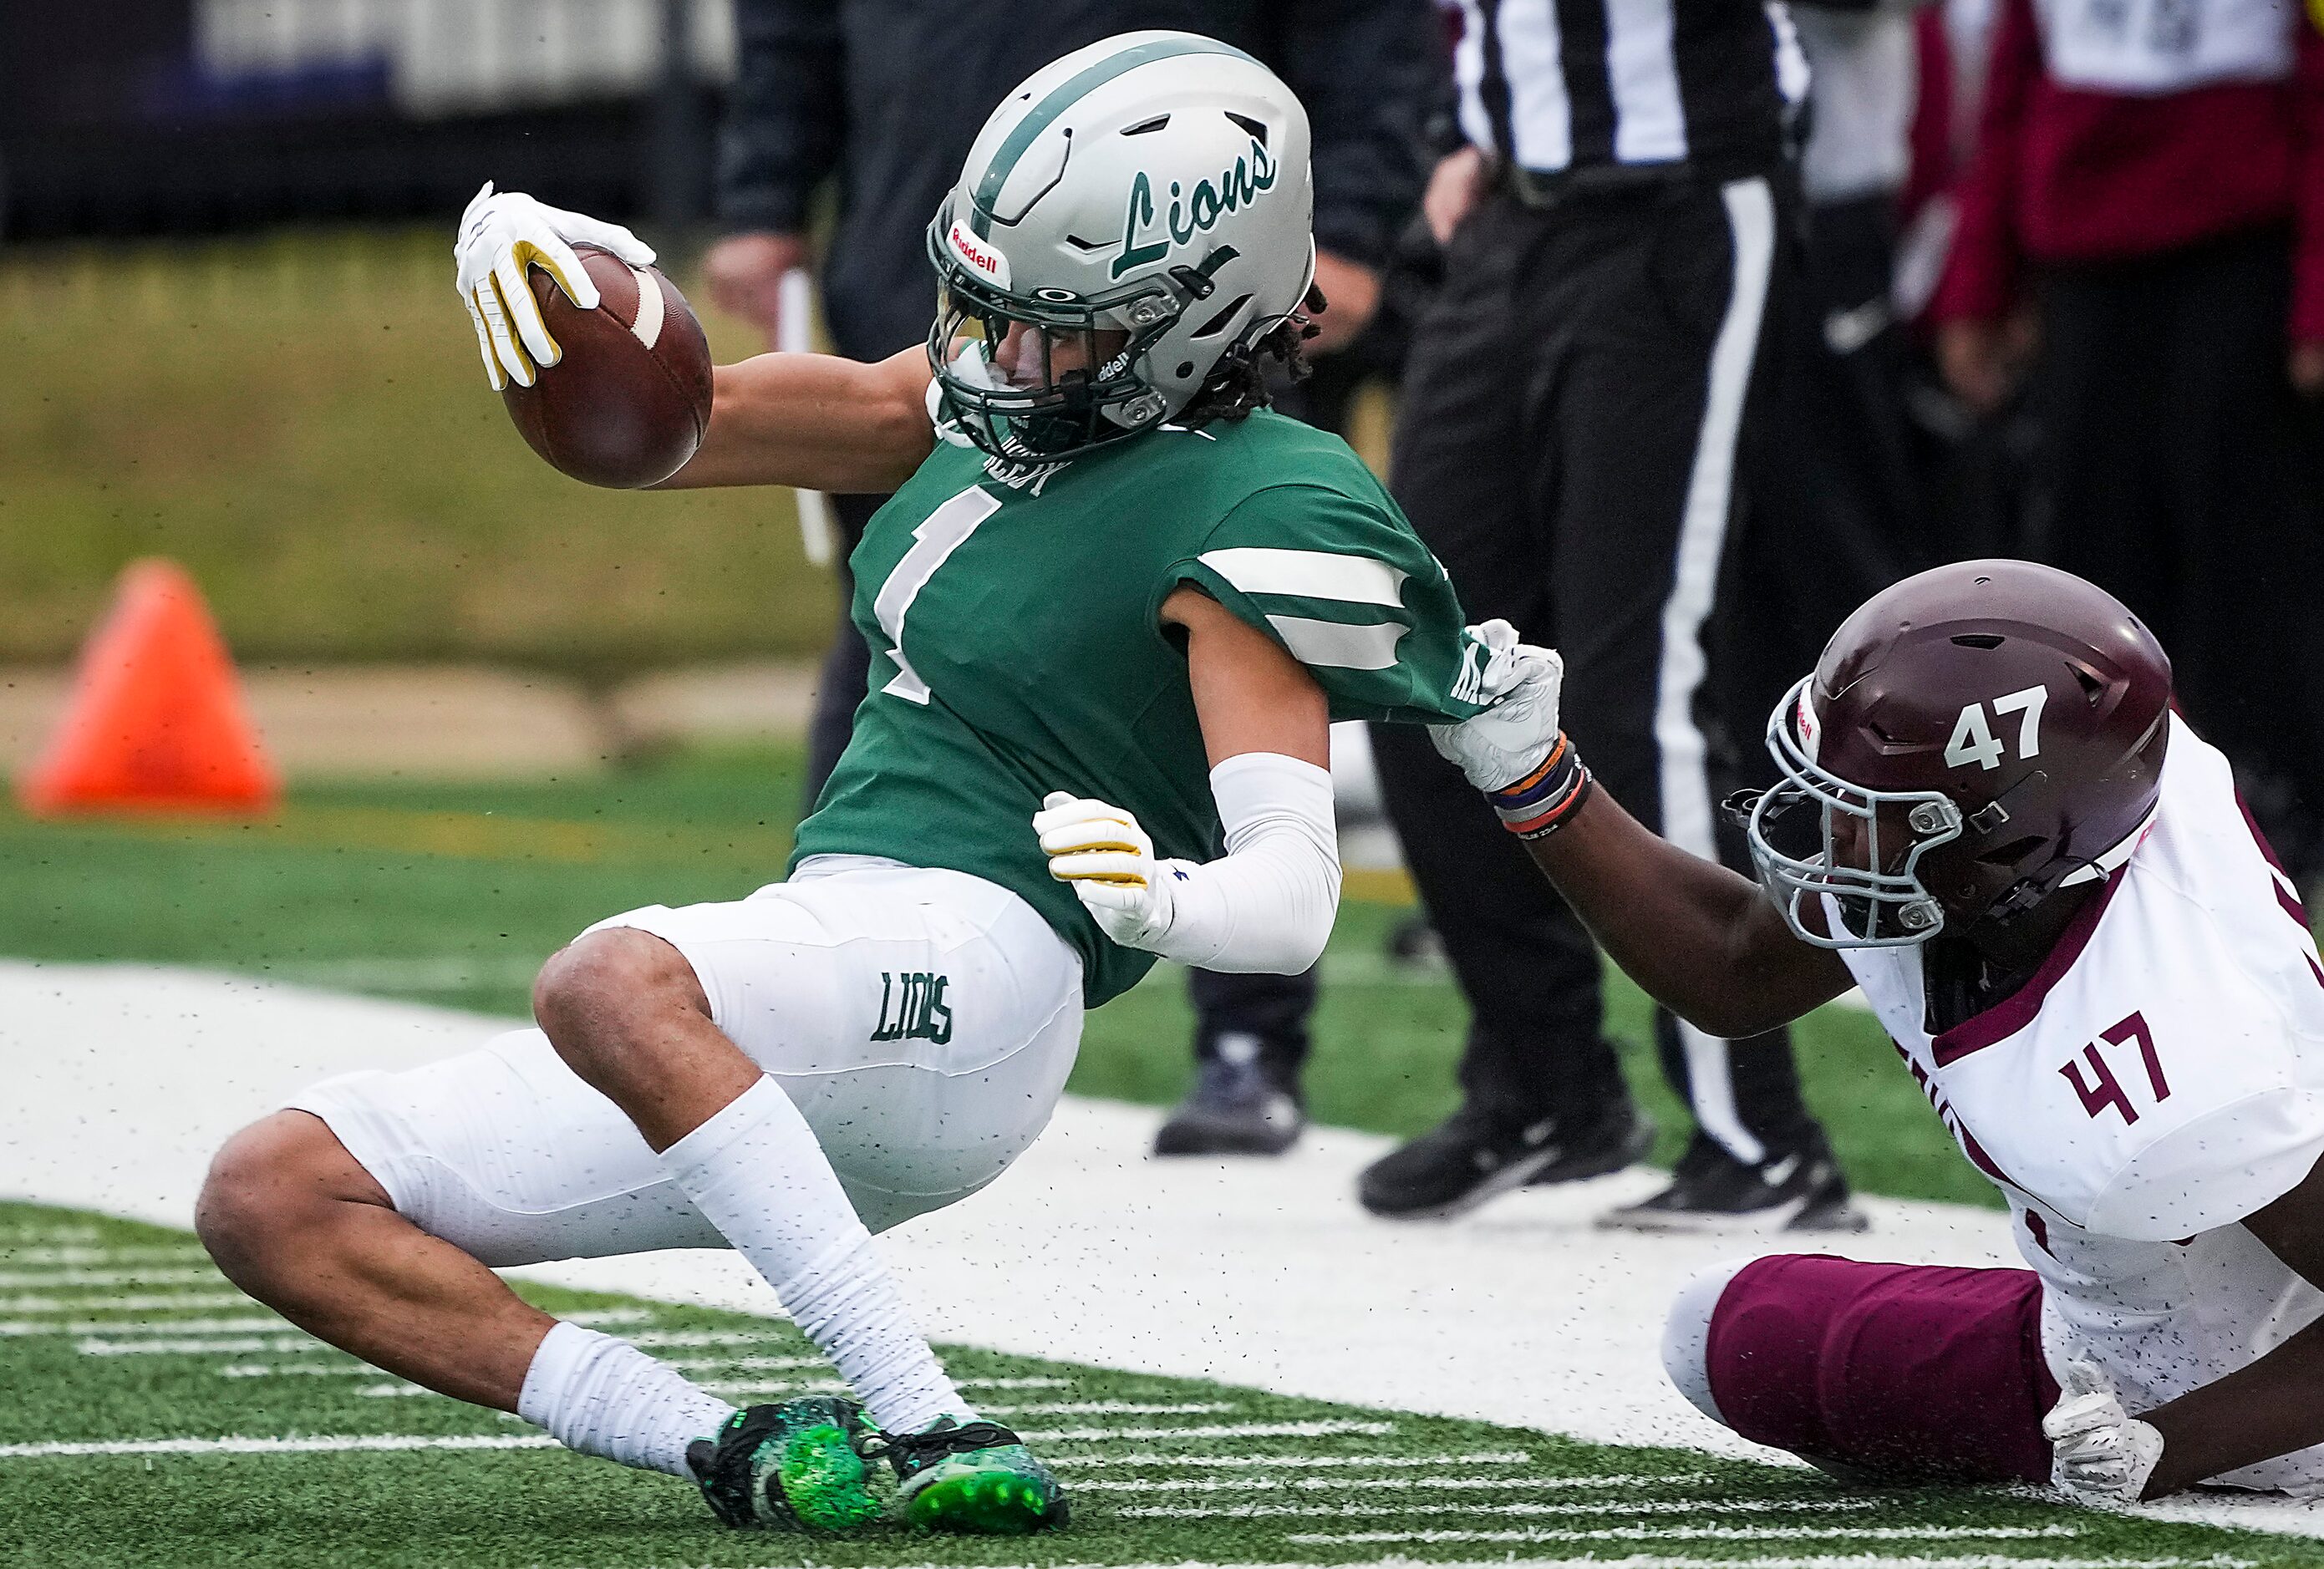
pixel 1579 416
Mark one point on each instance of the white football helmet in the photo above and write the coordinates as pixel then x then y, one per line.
pixel 1130 218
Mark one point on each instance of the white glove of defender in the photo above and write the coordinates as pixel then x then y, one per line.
pixel 1512 737
pixel 502 235
pixel 1110 861
pixel 2099 1454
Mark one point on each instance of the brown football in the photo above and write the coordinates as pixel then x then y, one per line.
pixel 628 403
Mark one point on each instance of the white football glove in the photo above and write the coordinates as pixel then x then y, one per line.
pixel 1511 738
pixel 1111 863
pixel 2099 1454
pixel 502 235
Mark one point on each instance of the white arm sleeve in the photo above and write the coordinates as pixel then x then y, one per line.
pixel 1268 903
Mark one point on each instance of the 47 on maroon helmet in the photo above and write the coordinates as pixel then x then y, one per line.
pixel 1974 739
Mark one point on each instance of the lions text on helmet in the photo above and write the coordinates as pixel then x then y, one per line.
pixel 1129 224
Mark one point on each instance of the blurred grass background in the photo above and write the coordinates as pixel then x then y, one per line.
pixel 302 421
pixel 453 894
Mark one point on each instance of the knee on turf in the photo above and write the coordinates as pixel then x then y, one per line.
pixel 268 1184
pixel 1686 1335
pixel 591 989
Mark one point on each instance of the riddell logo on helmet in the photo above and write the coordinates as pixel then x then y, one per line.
pixel 985 258
pixel 1810 732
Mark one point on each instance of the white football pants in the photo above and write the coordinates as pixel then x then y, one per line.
pixel 923 1023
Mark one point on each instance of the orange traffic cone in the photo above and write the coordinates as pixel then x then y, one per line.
pixel 156 719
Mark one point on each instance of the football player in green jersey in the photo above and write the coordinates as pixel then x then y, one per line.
pixel 1114 604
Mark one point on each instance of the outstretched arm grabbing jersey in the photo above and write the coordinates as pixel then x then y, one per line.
pixel 1705 942
pixel 1715 948
pixel 815 421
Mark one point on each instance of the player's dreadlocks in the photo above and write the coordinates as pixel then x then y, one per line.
pixel 1238 386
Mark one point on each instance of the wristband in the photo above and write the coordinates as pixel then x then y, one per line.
pixel 1539 804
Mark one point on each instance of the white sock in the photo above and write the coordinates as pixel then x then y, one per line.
pixel 757 1174
pixel 605 1397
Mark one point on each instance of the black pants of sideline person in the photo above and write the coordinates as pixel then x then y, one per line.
pixel 1269 1011
pixel 1577 407
pixel 1839 508
pixel 2169 436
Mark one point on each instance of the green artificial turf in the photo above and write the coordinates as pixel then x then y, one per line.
pixel 452 893
pixel 1160 1471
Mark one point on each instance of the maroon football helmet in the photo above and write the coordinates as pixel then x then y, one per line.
pixel 1974 739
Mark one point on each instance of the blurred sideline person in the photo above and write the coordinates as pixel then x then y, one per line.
pixel 1993 820
pixel 1581 416
pixel 1117 603
pixel 2150 181
pixel 1846 484
pixel 887 94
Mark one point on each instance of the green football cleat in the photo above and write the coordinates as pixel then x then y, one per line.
pixel 977 1479
pixel 794 1466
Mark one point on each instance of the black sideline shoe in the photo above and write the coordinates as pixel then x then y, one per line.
pixel 1235 1109
pixel 1800 1190
pixel 1473 1155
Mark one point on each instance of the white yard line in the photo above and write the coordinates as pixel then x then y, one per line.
pixel 327 1446
pixel 1612 1505
pixel 1323 1429
pixel 158 1253
pixel 1482 1457
pixel 23 1326
pixel 1272 1483
pixel 147 1302
pixel 70 1276
pixel 340 1445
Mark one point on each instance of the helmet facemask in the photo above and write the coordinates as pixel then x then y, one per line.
pixel 1855 851
pixel 1046 375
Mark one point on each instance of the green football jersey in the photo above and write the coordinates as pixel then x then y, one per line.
pixel 1014 616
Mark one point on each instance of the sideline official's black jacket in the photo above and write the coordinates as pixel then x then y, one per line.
pixel 891 92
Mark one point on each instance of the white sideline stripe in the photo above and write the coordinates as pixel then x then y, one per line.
pixel 74 1275
pixel 158 1253
pixel 1612 1505
pixel 1680 745
pixel 334 1444
pixel 1340 1483
pixel 1482 1457
pixel 1719 1534
pixel 39 1305
pixel 1309 574
pixel 11 1236
pixel 1336 645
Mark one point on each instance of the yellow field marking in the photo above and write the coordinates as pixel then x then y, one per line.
pixel 1378 886
pixel 484 836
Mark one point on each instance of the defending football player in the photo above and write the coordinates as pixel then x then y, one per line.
pixel 1993 822
pixel 1113 605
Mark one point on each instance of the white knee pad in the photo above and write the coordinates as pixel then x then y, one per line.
pixel 1686 1335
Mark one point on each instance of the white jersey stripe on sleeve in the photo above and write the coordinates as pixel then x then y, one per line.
pixel 1337 645
pixel 1308 574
